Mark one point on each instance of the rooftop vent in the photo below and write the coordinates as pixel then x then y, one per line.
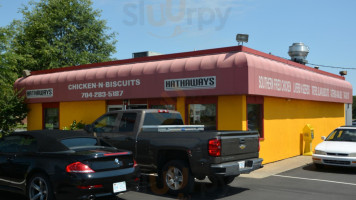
pixel 299 52
pixel 145 54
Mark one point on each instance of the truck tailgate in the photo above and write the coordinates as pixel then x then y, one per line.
pixel 237 143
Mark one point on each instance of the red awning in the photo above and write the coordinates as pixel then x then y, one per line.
pixel 226 73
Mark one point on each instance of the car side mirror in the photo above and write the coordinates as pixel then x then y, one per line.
pixel 89 128
pixel 323 138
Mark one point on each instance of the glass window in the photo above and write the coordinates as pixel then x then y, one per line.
pixel 13 144
pixel 166 107
pixel 10 144
pixel 106 124
pixel 79 142
pixel 51 118
pixel 255 118
pixel 163 119
pixel 115 107
pixel 347 135
pixel 203 114
pixel 127 122
pixel 137 106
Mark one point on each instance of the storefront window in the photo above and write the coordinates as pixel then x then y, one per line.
pixel 203 114
pixel 166 107
pixel 255 118
pixel 51 118
pixel 136 106
pixel 163 103
pixel 115 107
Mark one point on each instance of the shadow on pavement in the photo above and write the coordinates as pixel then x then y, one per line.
pixel 202 190
pixel 331 169
pixel 11 196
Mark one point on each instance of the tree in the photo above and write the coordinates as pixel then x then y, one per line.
pixel 52 34
pixel 59 33
pixel 12 107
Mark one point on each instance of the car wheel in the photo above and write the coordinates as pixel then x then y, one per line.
pixel 221 180
pixel 39 188
pixel 176 176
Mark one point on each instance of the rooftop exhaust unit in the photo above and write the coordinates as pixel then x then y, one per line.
pixel 145 54
pixel 299 52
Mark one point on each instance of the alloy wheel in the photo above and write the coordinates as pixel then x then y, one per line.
pixel 38 189
pixel 174 178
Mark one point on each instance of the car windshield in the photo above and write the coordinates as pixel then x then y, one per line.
pixel 348 135
pixel 79 142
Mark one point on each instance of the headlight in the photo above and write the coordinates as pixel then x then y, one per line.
pixel 320 152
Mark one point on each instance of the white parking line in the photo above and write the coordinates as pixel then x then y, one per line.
pixel 320 180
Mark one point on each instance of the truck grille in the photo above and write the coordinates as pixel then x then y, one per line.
pixel 337 162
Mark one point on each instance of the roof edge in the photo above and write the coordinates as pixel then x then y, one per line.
pixel 143 59
pixel 187 54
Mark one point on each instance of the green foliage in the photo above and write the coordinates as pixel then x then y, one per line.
pixel 61 33
pixel 12 111
pixel 75 125
pixel 7 61
pixel 12 107
pixel 52 34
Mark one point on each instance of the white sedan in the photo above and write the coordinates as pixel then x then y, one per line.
pixel 338 149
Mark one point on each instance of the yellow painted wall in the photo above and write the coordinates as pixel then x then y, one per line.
pixel 181 106
pixel 232 113
pixel 85 111
pixel 284 120
pixel 34 116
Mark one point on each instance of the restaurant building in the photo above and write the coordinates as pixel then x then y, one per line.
pixel 232 88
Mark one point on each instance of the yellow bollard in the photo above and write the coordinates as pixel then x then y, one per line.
pixel 308 136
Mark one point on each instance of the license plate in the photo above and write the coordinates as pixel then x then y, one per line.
pixel 119 187
pixel 242 164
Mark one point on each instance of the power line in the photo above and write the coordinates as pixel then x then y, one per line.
pixel 333 66
pixel 351 68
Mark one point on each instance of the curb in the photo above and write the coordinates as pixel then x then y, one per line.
pixel 279 167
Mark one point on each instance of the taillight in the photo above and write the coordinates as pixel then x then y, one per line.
pixel 117 154
pixel 163 111
pixel 215 147
pixel 89 187
pixel 135 163
pixel 78 167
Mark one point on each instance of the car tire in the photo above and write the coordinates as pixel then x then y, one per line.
pixel 177 177
pixel 39 188
pixel 221 180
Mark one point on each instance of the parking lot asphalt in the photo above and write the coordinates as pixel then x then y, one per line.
pixel 269 170
pixel 277 167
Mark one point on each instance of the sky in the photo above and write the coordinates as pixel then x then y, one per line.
pixel 327 27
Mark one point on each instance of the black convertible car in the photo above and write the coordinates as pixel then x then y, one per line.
pixel 47 165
